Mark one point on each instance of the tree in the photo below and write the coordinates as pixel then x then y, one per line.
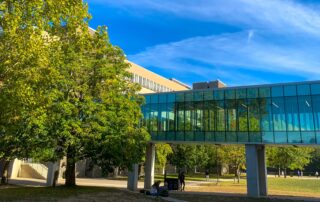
pixel 25 76
pixel 68 92
pixel 288 157
pixel 189 156
pixel 235 157
pixel 162 152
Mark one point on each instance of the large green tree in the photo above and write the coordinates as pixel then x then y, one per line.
pixel 162 153
pixel 64 91
pixel 288 157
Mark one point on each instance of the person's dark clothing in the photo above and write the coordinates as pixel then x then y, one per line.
pixel 182 180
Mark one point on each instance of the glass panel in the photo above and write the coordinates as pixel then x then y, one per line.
pixel 290 90
pixel 180 117
pixel 241 93
pixel 146 116
pixel 267 137
pixel 252 92
pixel 154 135
pixel 255 137
pixel 218 94
pixel 148 99
pixel 170 111
pixel 266 114
pixel 280 137
pixel 220 116
pixel 154 98
pixel 253 115
pixel 170 136
pixel 209 115
pixel 161 136
pixel 243 137
pixel 242 115
pixel 199 136
pixel 316 111
pixel 292 114
pixel 264 92
pixel 306 113
pixel 308 137
pixel 180 97
pixel 231 115
pixel 304 89
pixel 208 95
pixel 163 117
pixel 279 116
pixel 198 116
pixel 162 98
pixel 230 94
pixel 188 116
pixel 180 136
pixel 220 136
pixel 189 136
pixel 315 89
pixel 318 137
pixel 294 137
pixel 277 91
pixel 231 137
pixel 154 117
pixel 188 97
pixel 198 96
pixel 171 97
pixel 209 136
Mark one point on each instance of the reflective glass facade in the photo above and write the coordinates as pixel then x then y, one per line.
pixel 266 114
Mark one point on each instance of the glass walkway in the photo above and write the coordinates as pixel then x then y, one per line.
pixel 266 114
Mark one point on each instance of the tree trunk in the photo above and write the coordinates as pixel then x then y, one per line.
pixel 115 172
pixel 285 172
pixel 279 171
pixel 71 167
pixel 4 165
pixel 238 174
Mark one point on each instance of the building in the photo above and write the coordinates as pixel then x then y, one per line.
pixel 254 116
pixel 152 82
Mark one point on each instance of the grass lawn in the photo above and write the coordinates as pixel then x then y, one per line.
pixel 68 194
pixel 276 186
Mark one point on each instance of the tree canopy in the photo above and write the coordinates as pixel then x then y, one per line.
pixel 65 91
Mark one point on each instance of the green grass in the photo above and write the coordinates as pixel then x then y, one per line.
pixel 15 193
pixel 294 184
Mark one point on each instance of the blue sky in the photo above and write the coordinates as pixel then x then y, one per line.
pixel 240 42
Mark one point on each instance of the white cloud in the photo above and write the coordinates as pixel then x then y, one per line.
pixel 226 54
pixel 276 15
pixel 279 36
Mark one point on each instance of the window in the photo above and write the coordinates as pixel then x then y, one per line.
pixel 277 91
pixel 290 90
pixel 279 116
pixel 292 114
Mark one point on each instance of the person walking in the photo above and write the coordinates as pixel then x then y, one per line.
pixel 181 180
pixel 317 174
pixel 207 175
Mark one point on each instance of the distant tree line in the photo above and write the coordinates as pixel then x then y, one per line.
pixel 192 158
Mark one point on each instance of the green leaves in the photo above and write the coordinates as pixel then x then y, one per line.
pixel 62 87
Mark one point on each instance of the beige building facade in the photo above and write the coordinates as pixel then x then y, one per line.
pixel 151 82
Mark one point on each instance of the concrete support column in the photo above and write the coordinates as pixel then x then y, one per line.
pixel 133 178
pixel 53 167
pixel 149 167
pixel 256 170
pixel 14 168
